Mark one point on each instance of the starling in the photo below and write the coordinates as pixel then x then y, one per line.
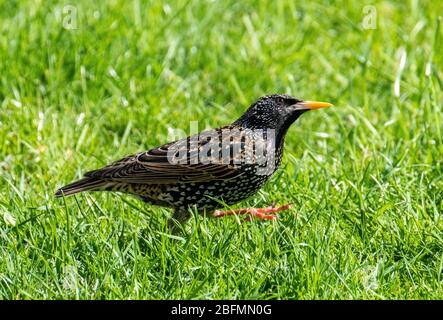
pixel 209 169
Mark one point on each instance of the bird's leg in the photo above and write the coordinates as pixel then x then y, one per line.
pixel 261 213
pixel 178 218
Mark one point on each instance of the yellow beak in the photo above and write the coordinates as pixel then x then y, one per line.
pixel 311 105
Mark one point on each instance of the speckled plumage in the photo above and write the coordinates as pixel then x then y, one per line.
pixel 198 176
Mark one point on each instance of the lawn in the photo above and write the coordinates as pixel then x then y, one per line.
pixel 84 83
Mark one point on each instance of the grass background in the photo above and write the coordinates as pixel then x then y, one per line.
pixel 365 176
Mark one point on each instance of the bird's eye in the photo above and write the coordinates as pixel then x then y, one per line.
pixel 280 100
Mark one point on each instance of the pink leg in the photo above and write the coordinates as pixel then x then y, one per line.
pixel 261 213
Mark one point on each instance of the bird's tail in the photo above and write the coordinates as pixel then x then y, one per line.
pixel 84 184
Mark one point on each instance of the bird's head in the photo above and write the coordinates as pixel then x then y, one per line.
pixel 277 111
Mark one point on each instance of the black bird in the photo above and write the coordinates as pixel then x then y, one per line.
pixel 224 165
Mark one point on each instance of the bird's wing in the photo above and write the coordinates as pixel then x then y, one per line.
pixel 171 163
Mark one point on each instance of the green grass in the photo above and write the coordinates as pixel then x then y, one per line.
pixel 366 177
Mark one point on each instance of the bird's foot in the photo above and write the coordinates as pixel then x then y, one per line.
pixel 261 213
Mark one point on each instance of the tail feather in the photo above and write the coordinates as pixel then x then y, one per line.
pixel 84 184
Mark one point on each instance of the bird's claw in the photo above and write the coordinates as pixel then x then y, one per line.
pixel 260 213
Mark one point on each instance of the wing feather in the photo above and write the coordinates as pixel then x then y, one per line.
pixel 155 167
